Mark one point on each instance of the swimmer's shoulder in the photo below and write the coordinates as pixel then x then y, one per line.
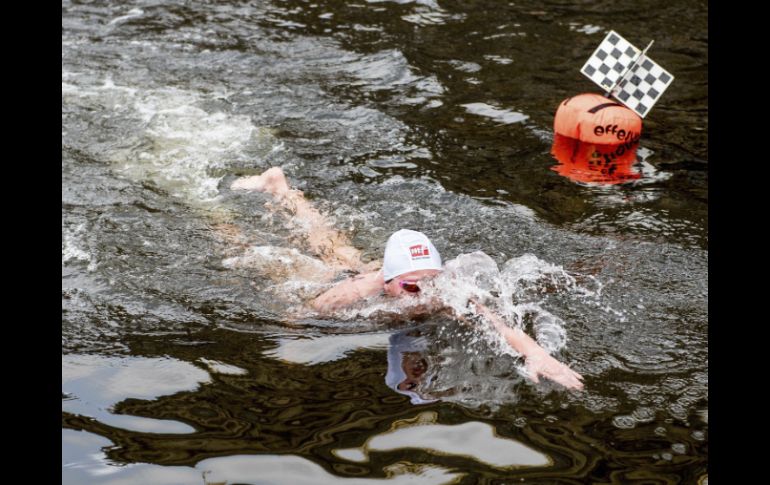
pixel 365 284
pixel 373 277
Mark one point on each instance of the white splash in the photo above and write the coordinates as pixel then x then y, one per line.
pixel 168 139
pixel 70 246
pixel 515 292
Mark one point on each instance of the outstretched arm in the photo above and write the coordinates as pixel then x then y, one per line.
pixel 538 361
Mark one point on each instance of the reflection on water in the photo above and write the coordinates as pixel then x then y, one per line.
pixel 281 408
pixel 312 350
pixel 84 462
pixel 593 163
pixel 93 384
pixel 472 439
pixel 179 358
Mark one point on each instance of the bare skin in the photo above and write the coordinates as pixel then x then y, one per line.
pixel 364 286
pixel 538 361
pixel 334 248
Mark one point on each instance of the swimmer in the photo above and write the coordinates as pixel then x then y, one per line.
pixel 410 260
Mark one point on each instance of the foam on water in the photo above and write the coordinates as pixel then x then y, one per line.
pixel 172 141
pixel 71 245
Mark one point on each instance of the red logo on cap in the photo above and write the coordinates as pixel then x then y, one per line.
pixel 419 251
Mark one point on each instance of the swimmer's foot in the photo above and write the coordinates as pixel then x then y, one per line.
pixel 272 181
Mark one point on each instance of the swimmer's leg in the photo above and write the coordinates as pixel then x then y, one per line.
pixel 331 245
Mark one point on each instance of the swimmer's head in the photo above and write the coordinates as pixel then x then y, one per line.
pixel 409 251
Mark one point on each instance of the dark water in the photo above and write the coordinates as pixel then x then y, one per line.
pixel 431 115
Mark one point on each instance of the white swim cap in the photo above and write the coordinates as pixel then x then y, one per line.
pixel 407 251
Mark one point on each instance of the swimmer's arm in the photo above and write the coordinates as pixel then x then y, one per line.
pixel 538 361
pixel 348 292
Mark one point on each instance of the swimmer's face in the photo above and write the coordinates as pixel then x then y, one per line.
pixel 414 366
pixel 407 283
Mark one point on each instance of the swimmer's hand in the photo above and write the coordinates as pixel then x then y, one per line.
pixel 539 363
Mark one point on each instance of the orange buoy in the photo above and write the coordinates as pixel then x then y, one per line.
pixel 592 118
pixel 593 163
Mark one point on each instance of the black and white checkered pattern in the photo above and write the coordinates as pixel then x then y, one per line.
pixel 613 56
pixel 640 87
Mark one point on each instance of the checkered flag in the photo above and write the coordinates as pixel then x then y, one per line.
pixel 627 73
